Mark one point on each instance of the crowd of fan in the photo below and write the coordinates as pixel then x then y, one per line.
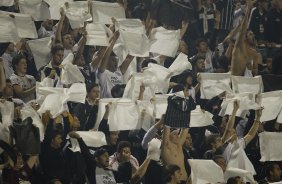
pixel 241 37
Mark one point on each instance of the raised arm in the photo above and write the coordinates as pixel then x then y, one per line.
pixel 123 67
pixel 139 174
pixel 107 54
pixel 58 35
pixel 2 76
pixel 253 131
pixel 230 123
pixel 31 161
pixel 99 56
pixel 182 136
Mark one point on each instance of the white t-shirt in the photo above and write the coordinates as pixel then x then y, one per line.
pixel 104 176
pixel 107 80
pixel 208 62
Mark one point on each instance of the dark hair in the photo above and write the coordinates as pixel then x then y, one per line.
pixel 100 152
pixel 233 180
pixel 146 62
pixel 183 76
pixel 117 90
pixel 269 167
pixel 56 48
pixel 169 171
pixel 200 40
pixel 55 133
pixel 16 60
pixel 211 139
pixel 123 144
pixel 90 86
pixel 215 157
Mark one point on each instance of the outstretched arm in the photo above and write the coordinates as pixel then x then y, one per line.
pixel 2 76
pixel 58 35
pixel 253 131
pixel 139 174
pixel 123 67
pixel 230 123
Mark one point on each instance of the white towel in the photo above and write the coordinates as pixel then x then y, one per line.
pixel 154 151
pixel 131 25
pixel 8 29
pixel 180 64
pixel 272 103
pixel 164 42
pixel 270 146
pixel 70 73
pixel 40 49
pixel 200 118
pixel 233 172
pixel 39 10
pixel 77 13
pixel 212 84
pixel 6 2
pixel 103 12
pixel 123 115
pixel 247 84
pixel 7 112
pixel 205 171
pixel 98 34
pixel 54 7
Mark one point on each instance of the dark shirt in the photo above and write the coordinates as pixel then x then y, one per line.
pixel 258 24
pixel 274 26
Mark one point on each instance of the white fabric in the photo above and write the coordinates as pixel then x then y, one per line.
pixel 160 105
pixel 270 146
pixel 200 118
pixel 39 10
pixel 212 84
pixel 131 25
pixel 136 44
pixel 123 115
pixel 164 42
pixel 28 111
pixel 146 116
pixel 154 151
pixel 91 138
pixel 6 2
pixel 77 13
pixel 279 119
pixel 103 12
pixel 246 101
pixel 98 34
pixel 233 172
pixel 56 98
pixel 54 7
pixel 247 84
pixel 107 80
pixel 132 88
pixel 272 103
pixel 101 110
pixel 70 73
pixel 180 64
pixel 205 171
pixel 160 76
pixel 22 26
pixel 40 49
pixel 7 112
pixel 236 157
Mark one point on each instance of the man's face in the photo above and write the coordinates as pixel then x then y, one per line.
pixel 188 142
pixel 183 47
pixel 113 137
pixel 189 80
pixel 177 176
pixel 200 65
pixel 276 173
pixel 124 154
pixel 67 41
pixel 103 160
pixel 202 47
pixel 240 181
pixel 21 66
pixel 57 141
pixel 94 93
pixel 221 162
pixel 58 57
pixel 48 24
pixel 112 64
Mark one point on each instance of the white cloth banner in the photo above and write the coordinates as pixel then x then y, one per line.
pixel 212 84
pixel 246 101
pixel 160 105
pixel 205 171
pixel 6 2
pixel 154 151
pixel 77 13
pixel 270 146
pixel 93 139
pixel 279 119
pixel 164 42
pixel 102 109
pixel 54 7
pixel 233 172
pixel 131 25
pixel 200 118
pixel 70 73
pixel 123 115
pixel 25 26
pixel 103 12
pixel 136 44
pixel 28 111
pixel 39 10
pixel 40 49
pixel 146 119
pixel 242 84
pixel 56 98
pixel 132 88
pixel 98 34
pixel 160 76
pixel 272 103
pixel 180 64
pixel 7 112
pixel 8 29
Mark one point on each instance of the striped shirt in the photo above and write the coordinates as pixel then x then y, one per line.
pixel 226 9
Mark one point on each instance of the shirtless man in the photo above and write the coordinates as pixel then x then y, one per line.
pixel 244 56
pixel 172 152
